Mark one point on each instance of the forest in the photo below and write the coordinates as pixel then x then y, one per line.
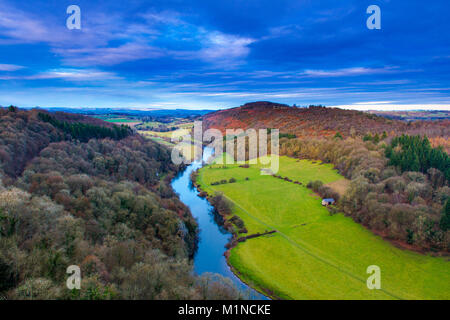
pixel 68 197
pixel 414 153
pixel 320 121
pixel 85 131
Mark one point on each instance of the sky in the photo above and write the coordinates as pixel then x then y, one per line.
pixel 210 54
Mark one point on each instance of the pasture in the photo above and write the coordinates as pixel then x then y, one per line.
pixel 315 255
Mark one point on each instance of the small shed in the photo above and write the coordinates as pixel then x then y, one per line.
pixel 328 201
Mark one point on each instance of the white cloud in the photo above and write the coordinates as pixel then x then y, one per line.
pixel 220 46
pixel 10 67
pixel 21 27
pixel 393 107
pixel 74 75
pixel 347 72
pixel 109 55
pixel 374 102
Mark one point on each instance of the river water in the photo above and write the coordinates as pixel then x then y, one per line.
pixel 212 237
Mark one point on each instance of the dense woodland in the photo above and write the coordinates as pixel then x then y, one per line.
pixel 85 131
pixel 102 204
pixel 414 153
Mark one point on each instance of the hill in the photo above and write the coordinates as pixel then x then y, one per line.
pixel 157 113
pixel 317 121
pixel 414 115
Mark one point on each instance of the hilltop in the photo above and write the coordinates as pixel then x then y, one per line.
pixel 316 121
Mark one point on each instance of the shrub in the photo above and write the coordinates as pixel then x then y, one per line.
pixel 237 221
pixel 327 192
pixel 332 210
pixel 221 204
pixel 315 185
pixel 243 230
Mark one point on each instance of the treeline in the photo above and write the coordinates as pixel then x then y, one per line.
pixel 414 153
pixel 402 205
pixel 104 205
pixel 85 131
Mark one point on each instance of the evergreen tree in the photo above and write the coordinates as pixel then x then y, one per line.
pixel 367 137
pixel 84 131
pixel 416 154
pixel 445 219
pixel 376 138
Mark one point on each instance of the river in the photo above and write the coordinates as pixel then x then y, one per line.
pixel 212 237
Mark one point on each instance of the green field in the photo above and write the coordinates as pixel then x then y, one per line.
pixel 161 141
pixel 117 119
pixel 315 255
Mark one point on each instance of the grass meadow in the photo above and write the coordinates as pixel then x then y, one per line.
pixel 315 255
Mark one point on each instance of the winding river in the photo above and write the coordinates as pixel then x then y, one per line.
pixel 213 237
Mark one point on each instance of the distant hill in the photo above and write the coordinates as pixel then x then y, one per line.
pixel 133 112
pixel 318 121
pixel 24 134
pixel 414 115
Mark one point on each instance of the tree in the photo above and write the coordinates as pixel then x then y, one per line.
pixel 445 218
pixel 376 139
pixel 367 137
pixel 8 278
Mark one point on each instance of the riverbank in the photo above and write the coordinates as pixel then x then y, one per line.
pixel 213 237
pixel 234 241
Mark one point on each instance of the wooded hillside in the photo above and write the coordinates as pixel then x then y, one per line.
pixel 106 205
pixel 318 121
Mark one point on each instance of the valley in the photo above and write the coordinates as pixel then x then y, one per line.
pixel 129 207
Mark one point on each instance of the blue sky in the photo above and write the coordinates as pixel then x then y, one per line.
pixel 217 54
